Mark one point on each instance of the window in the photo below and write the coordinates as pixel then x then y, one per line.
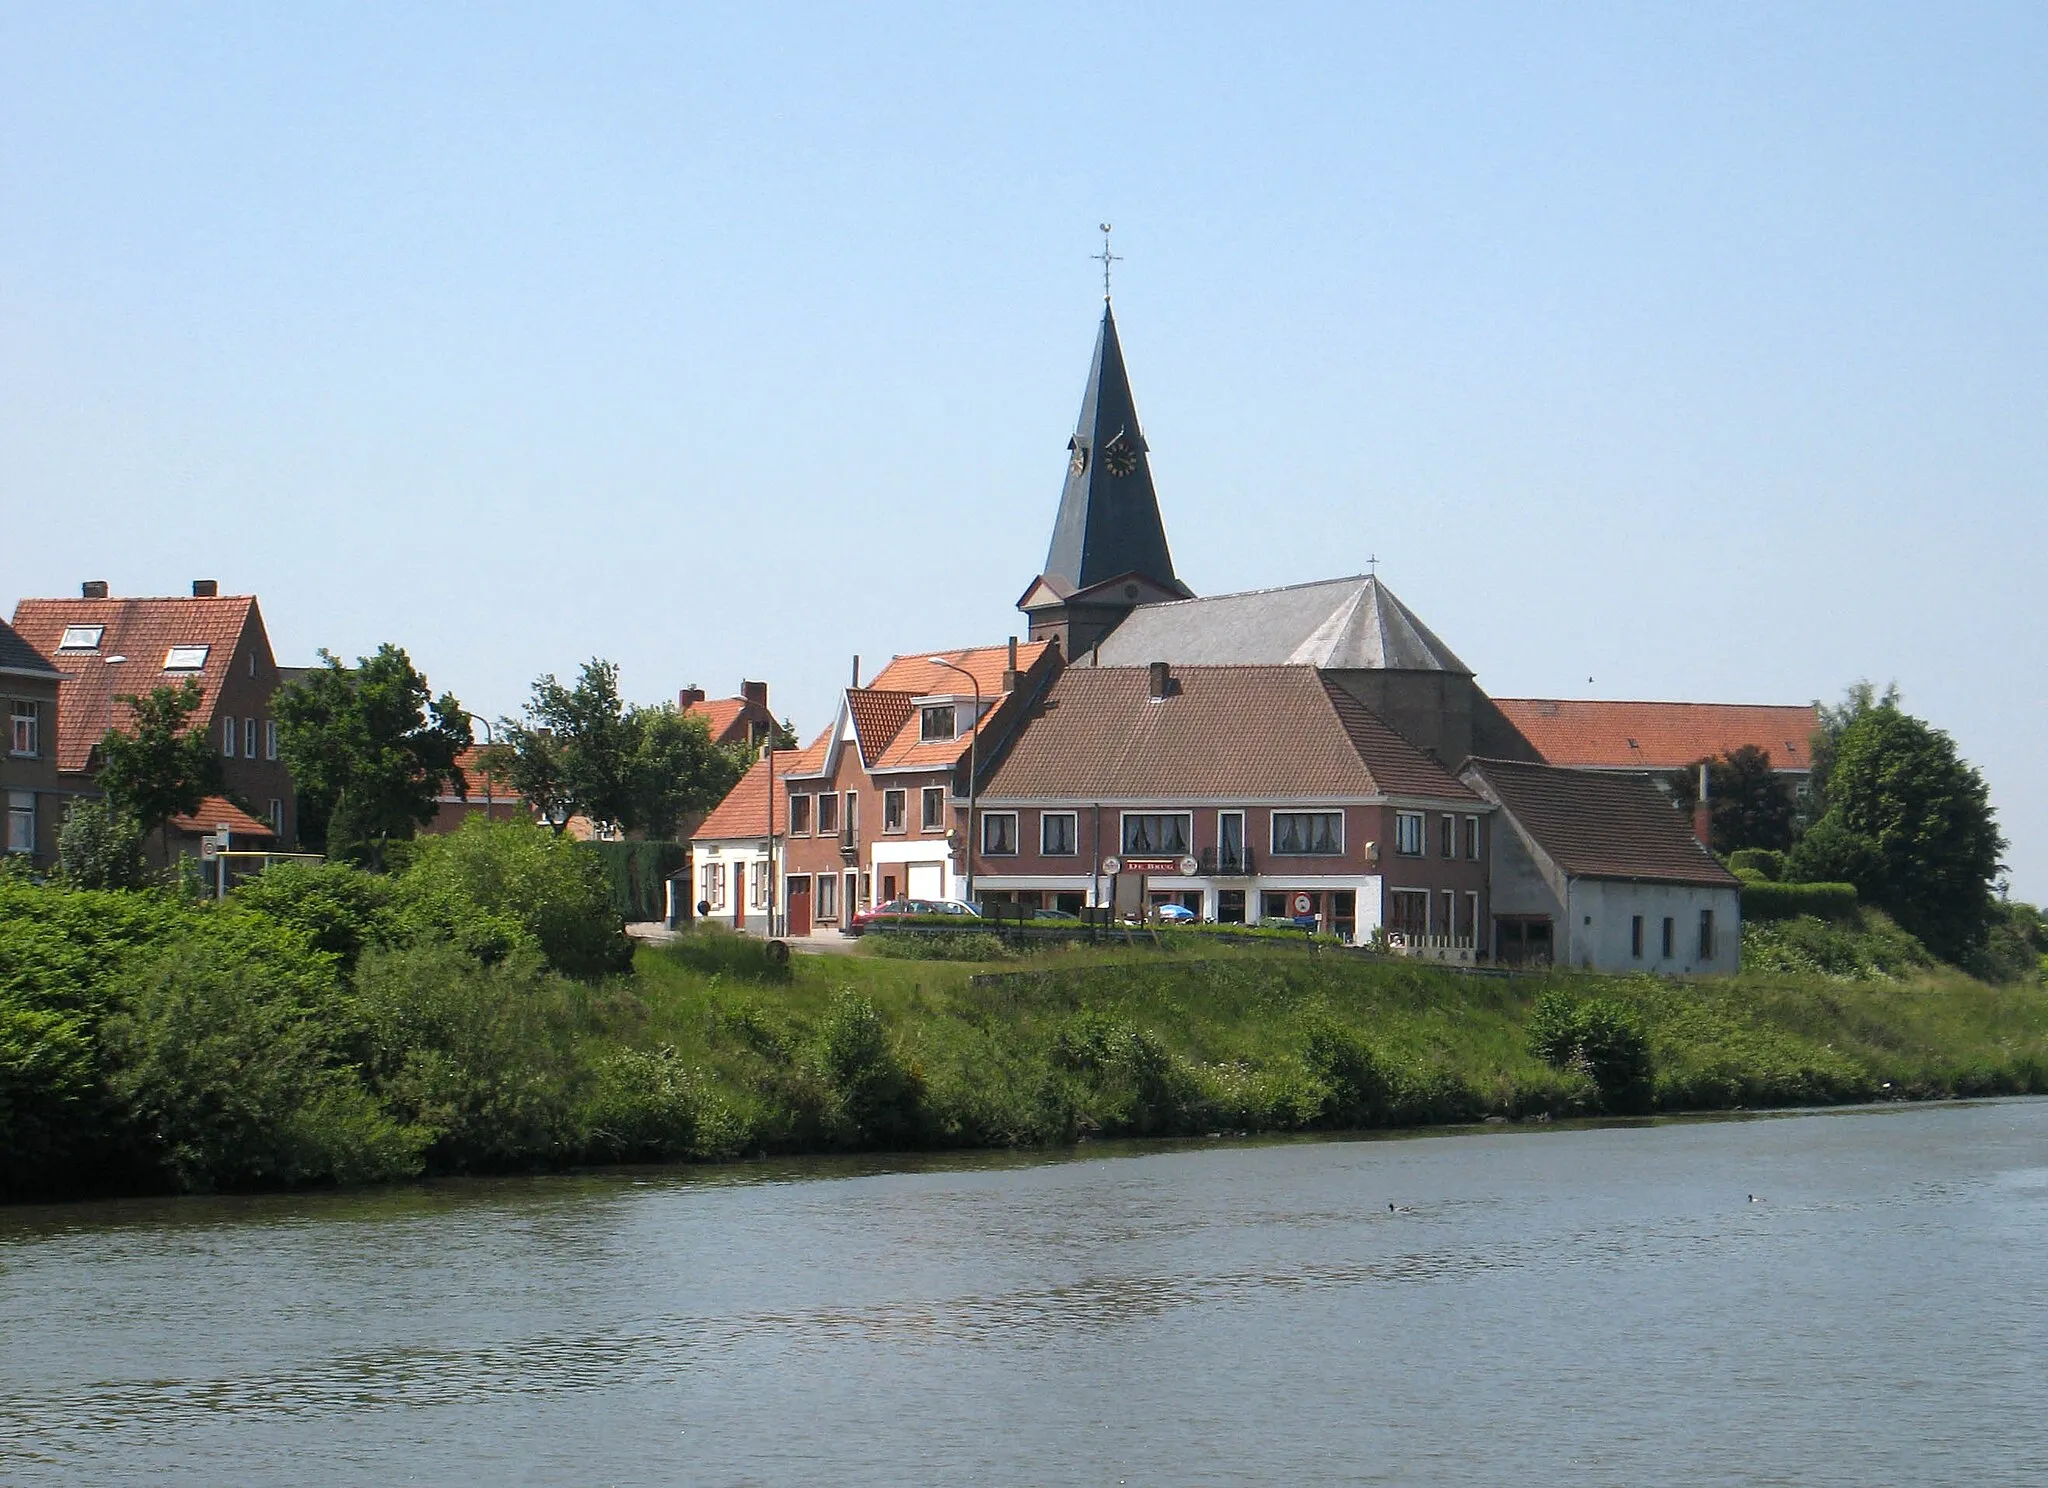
pixel 757 887
pixel 714 885
pixel 270 738
pixel 1670 936
pixel 934 807
pixel 27 727
pixel 1057 834
pixel 1145 833
pixel 852 818
pixel 828 896
pixel 1230 844
pixel 892 810
pixel 999 834
pixel 1308 833
pixel 1449 926
pixel 936 722
pixel 277 816
pixel 1706 935
pixel 227 737
pixel 1408 912
pixel 799 816
pixel 248 738
pixel 1447 837
pixel 828 814
pixel 21 821
pixel 185 658
pixel 1635 937
pixel 1408 831
pixel 81 638
pixel 1472 838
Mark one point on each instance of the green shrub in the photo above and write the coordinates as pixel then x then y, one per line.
pixel 1867 948
pixel 1600 1038
pixel 98 848
pixel 1766 862
pixel 493 885
pixel 1351 1082
pixel 1130 1084
pixel 714 950
pixel 928 945
pixel 650 1106
pixel 340 909
pixel 637 875
pixel 1785 901
pixel 872 1098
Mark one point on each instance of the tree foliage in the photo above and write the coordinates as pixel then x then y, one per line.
pixel 98 848
pixel 580 750
pixel 370 748
pixel 1750 804
pixel 1910 823
pixel 159 767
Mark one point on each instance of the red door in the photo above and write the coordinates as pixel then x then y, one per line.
pixel 800 905
pixel 739 896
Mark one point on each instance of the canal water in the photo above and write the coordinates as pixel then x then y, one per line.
pixel 1589 1306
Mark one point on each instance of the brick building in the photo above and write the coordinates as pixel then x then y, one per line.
pixel 29 786
pixel 735 720
pixel 109 647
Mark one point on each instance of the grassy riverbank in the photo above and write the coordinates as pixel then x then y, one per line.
pixel 476 1015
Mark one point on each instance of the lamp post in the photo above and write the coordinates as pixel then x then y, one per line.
pixel 973 761
pixel 490 742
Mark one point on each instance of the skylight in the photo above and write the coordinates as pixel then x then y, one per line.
pixel 185 658
pixel 81 638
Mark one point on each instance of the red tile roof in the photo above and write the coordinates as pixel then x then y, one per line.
pixel 143 631
pixel 744 811
pixel 719 715
pixel 1253 733
pixel 1660 736
pixel 921 676
pixel 217 809
pixel 471 764
pixel 878 717
pixel 1596 825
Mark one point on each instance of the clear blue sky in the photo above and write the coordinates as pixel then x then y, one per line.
pixel 1657 351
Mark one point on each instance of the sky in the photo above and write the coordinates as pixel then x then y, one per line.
pixel 1653 351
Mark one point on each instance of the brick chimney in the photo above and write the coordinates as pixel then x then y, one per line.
pixel 1010 672
pixel 688 696
pixel 755 693
pixel 93 589
pixel 1160 679
pixel 206 588
pixel 1703 813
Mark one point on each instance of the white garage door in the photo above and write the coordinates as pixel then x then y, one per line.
pixel 927 880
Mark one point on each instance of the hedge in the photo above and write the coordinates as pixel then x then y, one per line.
pixel 638 875
pixel 1766 861
pixel 1788 901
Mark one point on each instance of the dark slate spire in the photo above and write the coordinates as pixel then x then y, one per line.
pixel 1109 517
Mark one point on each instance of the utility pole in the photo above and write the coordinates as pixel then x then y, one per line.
pixel 973 762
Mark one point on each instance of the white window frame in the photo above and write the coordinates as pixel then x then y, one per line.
pixel 714 885
pixel 930 820
pixel 248 738
pixel 901 810
pixel 1273 834
pixel 796 830
pixel 1473 841
pixel 825 897
pixel 186 658
pixel 1223 861
pixel 25 728
pixel 849 817
pixel 988 819
pixel 1406 822
pixel 1447 836
pixel 757 886
pixel 277 816
pixel 1450 931
pixel 1123 834
pixel 233 726
pixel 81 638
pixel 270 738
pixel 21 821
pixel 1073 821
pixel 818 814
pixel 929 712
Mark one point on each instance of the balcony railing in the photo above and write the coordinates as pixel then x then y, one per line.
pixel 847 848
pixel 1226 862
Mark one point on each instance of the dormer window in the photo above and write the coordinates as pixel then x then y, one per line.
pixel 81 638
pixel 186 658
pixel 937 722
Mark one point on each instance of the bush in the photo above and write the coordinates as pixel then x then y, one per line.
pixel 1766 862
pixel 649 1106
pixel 339 909
pixel 1129 1080
pixel 637 875
pixel 1787 901
pixel 941 945
pixel 1867 948
pixel 872 1098
pixel 1600 1038
pixel 97 848
pixel 1353 1087
pixel 493 885
pixel 714 950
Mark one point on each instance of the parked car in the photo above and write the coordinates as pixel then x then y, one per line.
pixel 1174 914
pixel 904 909
pixel 1055 914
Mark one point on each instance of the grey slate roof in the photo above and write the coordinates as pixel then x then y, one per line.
pixel 1108 523
pixel 1346 624
pixel 17 655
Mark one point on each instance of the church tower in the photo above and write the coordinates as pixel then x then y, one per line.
pixel 1108 552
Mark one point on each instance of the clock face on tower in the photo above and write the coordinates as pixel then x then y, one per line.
pixel 1120 458
pixel 1078 461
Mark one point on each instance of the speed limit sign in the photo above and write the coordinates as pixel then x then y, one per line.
pixel 1303 904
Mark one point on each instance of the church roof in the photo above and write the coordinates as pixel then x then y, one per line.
pixel 1108 522
pixel 1345 624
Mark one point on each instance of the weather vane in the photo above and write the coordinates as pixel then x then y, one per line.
pixel 1106 258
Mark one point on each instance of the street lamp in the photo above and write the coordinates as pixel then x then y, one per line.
pixel 490 742
pixel 973 760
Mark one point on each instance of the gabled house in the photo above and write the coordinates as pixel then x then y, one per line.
pixel 737 850
pixel 735 720
pixel 109 647
pixel 489 794
pixel 1594 869
pixel 1243 793
pixel 29 785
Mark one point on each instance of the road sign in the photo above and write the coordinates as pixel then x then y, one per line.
pixel 1303 904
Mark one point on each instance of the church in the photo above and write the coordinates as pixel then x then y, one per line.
pixel 1311 752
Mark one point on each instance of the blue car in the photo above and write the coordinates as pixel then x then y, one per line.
pixel 1174 914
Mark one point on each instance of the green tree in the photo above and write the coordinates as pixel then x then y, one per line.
pixel 161 768
pixel 580 750
pixel 1750 804
pixel 1910 823
pixel 98 848
pixel 370 748
pixel 1858 699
